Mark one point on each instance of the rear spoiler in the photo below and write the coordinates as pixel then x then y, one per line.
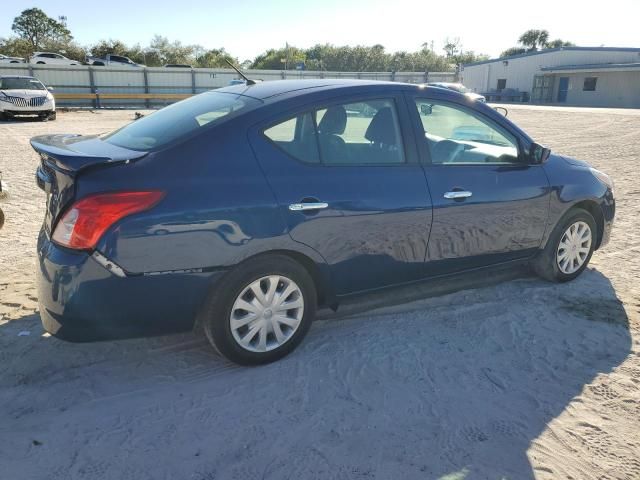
pixel 72 153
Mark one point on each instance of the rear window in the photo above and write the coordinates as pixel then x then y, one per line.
pixel 177 120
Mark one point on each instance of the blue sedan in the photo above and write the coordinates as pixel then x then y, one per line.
pixel 239 211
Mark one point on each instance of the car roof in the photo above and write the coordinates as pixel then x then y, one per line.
pixel 277 88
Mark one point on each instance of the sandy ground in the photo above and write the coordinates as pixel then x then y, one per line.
pixel 521 379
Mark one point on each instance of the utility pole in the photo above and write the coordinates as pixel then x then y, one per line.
pixel 286 62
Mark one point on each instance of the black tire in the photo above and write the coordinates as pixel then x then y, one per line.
pixel 215 318
pixel 546 265
pixel 1 218
pixel 3 117
pixel 40 63
pixel 52 116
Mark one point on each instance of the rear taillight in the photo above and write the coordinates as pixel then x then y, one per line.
pixel 86 221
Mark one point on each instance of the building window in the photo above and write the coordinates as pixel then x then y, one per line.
pixel 502 84
pixel 589 84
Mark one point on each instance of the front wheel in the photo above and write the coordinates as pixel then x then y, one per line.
pixel 569 247
pixel 261 310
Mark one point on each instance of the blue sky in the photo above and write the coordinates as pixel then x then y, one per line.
pixel 248 27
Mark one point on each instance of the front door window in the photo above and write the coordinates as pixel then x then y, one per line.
pixel 454 135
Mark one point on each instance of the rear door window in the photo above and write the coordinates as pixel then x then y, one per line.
pixel 360 133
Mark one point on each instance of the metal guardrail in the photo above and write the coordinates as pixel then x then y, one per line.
pixel 122 96
pixel 99 86
pixel 96 98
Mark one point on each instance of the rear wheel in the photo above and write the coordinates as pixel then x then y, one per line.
pixel 40 63
pixel 569 247
pixel 261 310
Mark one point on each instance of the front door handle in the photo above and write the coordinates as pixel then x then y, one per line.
pixel 299 207
pixel 457 194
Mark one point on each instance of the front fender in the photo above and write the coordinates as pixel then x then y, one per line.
pixel 573 185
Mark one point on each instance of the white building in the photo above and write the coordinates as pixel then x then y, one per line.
pixel 583 76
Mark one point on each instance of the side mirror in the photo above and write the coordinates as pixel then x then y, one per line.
pixel 501 110
pixel 50 89
pixel 426 109
pixel 538 154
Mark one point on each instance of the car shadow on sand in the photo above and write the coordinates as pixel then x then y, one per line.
pixel 22 119
pixel 458 386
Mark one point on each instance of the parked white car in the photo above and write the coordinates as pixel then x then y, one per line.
pixel 49 58
pixel 5 59
pixel 111 60
pixel 25 96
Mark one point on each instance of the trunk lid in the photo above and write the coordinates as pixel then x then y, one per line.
pixel 63 158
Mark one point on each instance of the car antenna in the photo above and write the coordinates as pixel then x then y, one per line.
pixel 246 79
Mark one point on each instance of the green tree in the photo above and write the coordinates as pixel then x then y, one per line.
pixel 557 43
pixel 161 51
pixel 16 47
pixel 34 26
pixel 216 58
pixel 277 59
pixel 117 47
pixel 452 47
pixel 469 56
pixel 361 58
pixel 104 47
pixel 532 39
pixel 513 51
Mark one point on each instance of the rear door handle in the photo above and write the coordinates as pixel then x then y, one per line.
pixel 457 194
pixel 299 207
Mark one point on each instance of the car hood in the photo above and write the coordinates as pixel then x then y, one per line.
pixel 24 93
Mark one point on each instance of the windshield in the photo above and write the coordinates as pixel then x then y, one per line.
pixel 177 120
pixel 20 84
